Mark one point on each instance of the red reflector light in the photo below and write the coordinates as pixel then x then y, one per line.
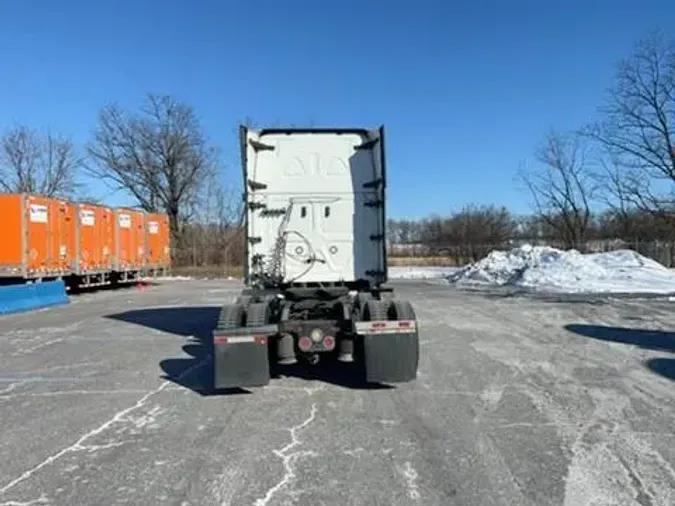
pixel 329 342
pixel 379 325
pixel 305 343
pixel 404 324
pixel 259 339
pixel 220 340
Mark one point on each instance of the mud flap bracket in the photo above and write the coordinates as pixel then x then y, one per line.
pixel 240 356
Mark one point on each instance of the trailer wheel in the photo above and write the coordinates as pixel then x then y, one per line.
pixel 403 310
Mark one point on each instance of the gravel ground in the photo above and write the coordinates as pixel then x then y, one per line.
pixel 521 400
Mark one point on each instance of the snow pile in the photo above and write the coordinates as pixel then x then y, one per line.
pixel 420 272
pixel 549 269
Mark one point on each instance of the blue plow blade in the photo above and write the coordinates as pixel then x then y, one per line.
pixel 19 298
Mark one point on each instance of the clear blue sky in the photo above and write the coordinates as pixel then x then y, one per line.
pixel 465 89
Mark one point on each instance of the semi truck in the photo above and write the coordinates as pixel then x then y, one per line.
pixel 315 269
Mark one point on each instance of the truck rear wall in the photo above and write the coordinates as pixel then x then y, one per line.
pixel 38 236
pixel 157 240
pixel 96 239
pixel 323 191
pixel 129 239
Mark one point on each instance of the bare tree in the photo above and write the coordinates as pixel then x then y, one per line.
pixel 613 191
pixel 562 187
pixel 35 163
pixel 476 229
pixel 638 125
pixel 215 214
pixel 159 155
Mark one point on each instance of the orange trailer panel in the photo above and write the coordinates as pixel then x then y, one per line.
pixel 107 231
pixel 38 247
pixel 129 239
pixel 38 236
pixel 12 249
pixel 95 243
pixel 62 236
pixel 157 240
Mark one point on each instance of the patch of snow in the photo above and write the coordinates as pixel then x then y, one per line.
pixel 549 269
pixel 420 272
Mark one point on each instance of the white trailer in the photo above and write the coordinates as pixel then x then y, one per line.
pixel 316 261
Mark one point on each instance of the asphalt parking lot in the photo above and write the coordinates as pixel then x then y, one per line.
pixel 519 401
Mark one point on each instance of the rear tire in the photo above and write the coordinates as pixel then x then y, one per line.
pixel 390 357
pixel 360 303
pixel 240 364
pixel 258 314
pixel 403 310
pixel 376 310
pixel 231 316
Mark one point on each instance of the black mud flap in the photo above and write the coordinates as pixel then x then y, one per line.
pixel 390 355
pixel 240 357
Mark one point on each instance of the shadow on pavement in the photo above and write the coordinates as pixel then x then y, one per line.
pixel 662 366
pixel 648 339
pixel 198 322
pixel 329 370
pixel 195 322
pixel 656 340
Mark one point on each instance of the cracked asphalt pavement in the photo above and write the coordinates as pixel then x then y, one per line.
pixel 521 400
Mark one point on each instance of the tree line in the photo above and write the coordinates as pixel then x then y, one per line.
pixel 475 230
pixel 611 179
